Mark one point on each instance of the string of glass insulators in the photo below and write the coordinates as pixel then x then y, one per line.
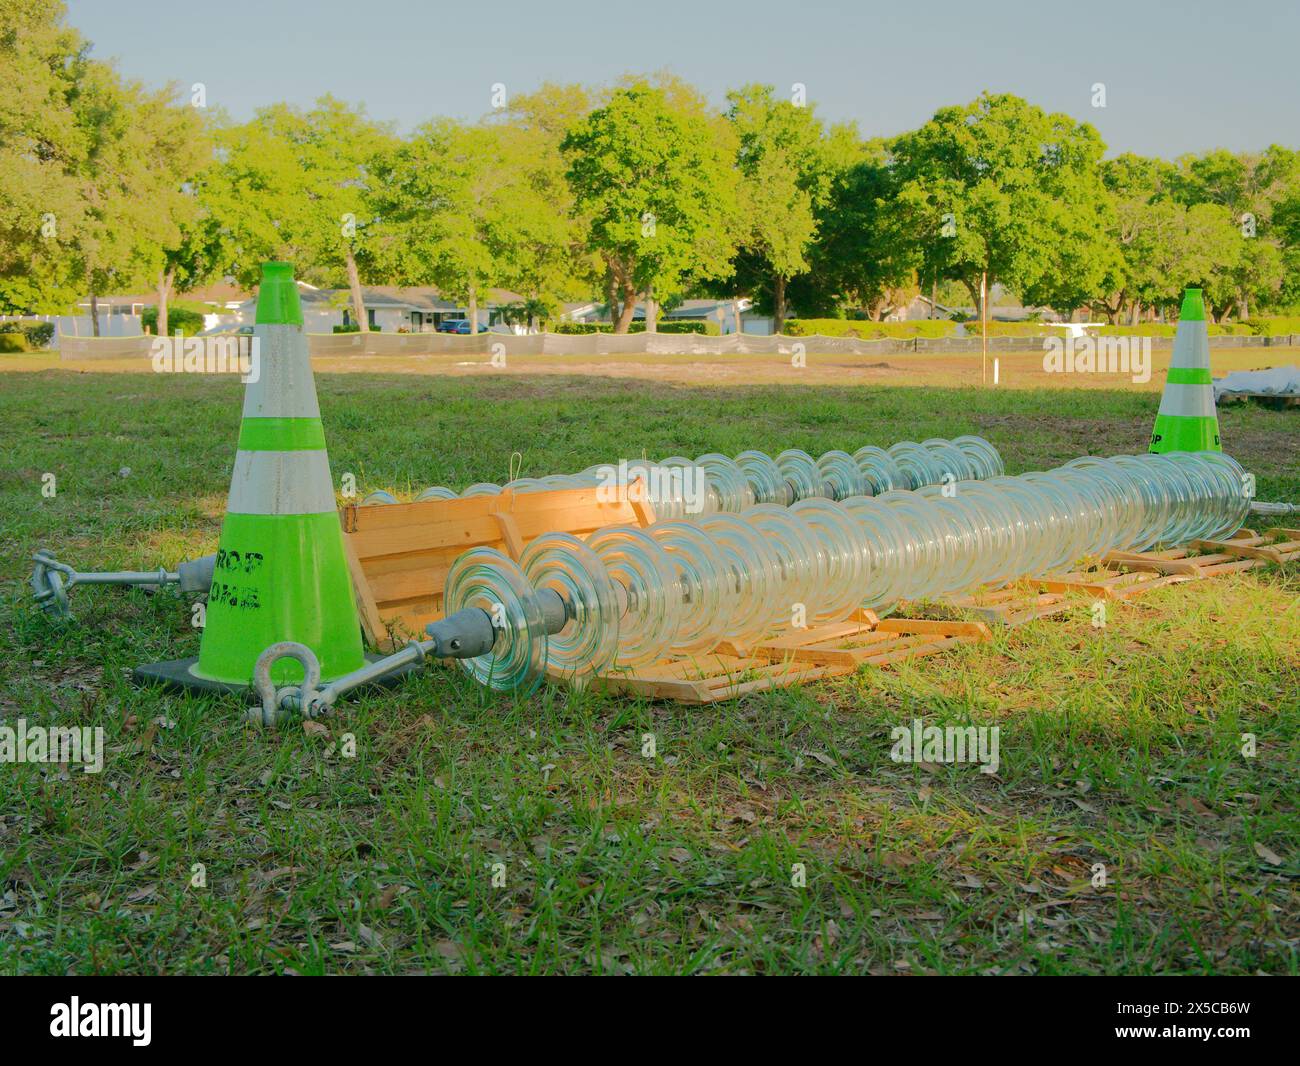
pixel 678 487
pixel 633 595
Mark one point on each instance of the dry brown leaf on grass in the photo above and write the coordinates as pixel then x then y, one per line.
pixel 314 729
pixel 1193 806
pixel 389 894
pixel 1268 854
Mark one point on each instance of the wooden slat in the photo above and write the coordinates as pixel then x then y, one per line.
pixel 400 554
pixel 371 622
pixel 1252 549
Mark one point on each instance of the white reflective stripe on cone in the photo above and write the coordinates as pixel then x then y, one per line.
pixel 284 387
pixel 281 483
pixel 1191 346
pixel 1196 401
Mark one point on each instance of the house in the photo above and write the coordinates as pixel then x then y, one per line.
pixel 1002 308
pixel 721 312
pixel 390 308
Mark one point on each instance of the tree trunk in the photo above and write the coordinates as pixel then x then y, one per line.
pixel 164 288
pixel 473 310
pixel 354 283
pixel 94 314
pixel 1243 304
pixel 735 314
pixel 629 305
pixel 778 303
pixel 934 295
pixel 651 311
pixel 973 288
pixel 611 295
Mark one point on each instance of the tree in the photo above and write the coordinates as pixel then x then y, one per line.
pixel 540 236
pixel 783 182
pixel 654 184
pixel 1010 187
pixel 443 197
pixel 866 257
pixel 42 63
pixel 296 185
pixel 1250 186
pixel 142 147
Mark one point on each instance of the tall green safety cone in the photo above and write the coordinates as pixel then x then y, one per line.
pixel 280 571
pixel 1187 421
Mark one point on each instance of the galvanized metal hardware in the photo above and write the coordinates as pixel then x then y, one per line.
pixel 51 580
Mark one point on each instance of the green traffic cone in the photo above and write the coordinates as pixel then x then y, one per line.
pixel 1187 421
pixel 281 573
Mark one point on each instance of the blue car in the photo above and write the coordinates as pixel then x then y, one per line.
pixel 454 325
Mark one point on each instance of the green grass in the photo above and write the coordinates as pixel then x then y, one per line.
pixel 1118 745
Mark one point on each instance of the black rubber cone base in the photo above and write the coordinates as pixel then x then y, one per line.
pixel 175 675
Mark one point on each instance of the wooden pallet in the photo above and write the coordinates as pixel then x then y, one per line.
pixel 399 554
pixel 1011 605
pixel 865 638
pixel 794 657
pixel 713 677
pixel 1121 575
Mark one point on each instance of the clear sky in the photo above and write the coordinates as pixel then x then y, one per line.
pixel 1178 77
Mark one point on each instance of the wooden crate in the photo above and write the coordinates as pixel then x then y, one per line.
pixel 399 554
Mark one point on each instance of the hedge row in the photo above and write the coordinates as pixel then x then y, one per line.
pixel 705 329
pixel 1270 326
pixel 24 336
pixel 189 320
pixel 864 329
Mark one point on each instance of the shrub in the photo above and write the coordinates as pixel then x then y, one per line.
pixel 1274 325
pixel 1167 329
pixel 704 329
pixel 188 320
pixel 709 329
pixel 19 336
pixel 864 329
pixel 353 327
pixel 1014 329
pixel 39 334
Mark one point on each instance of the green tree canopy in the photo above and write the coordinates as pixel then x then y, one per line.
pixel 652 180
pixel 1014 191
pixel 296 185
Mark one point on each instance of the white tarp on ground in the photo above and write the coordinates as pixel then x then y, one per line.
pixel 1278 381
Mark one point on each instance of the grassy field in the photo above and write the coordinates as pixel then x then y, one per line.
pixel 1119 746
